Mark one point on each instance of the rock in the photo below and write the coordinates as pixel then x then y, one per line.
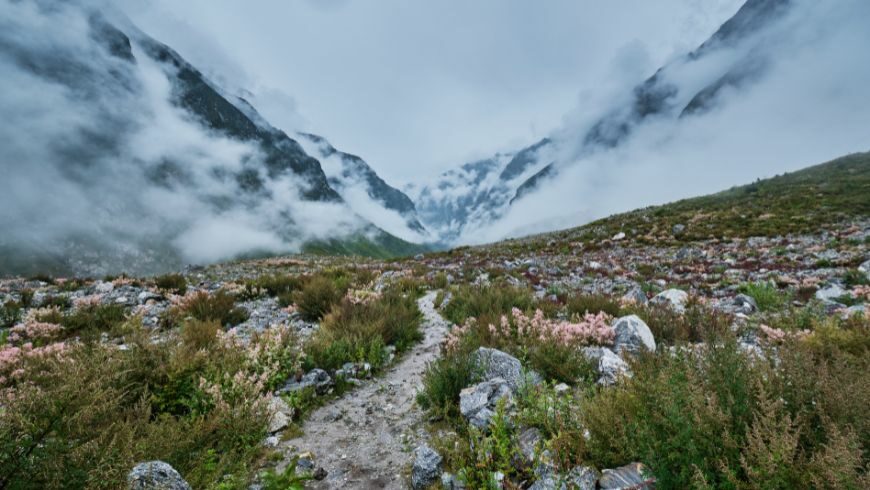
pixel 427 467
pixel 675 298
pixel 678 229
pixel 104 287
pixel 611 367
pixel 450 482
pixel 579 478
pixel 271 442
pixel 528 443
pixel 318 378
pixel 582 478
pixel 830 293
pixel 155 475
pixel 497 364
pixel 635 295
pixel 745 304
pixel 865 268
pixel 561 389
pixel 281 414
pixel 854 310
pixel 320 473
pixel 477 403
pixel 632 335
pixel 634 476
pixel 618 236
pixel 146 296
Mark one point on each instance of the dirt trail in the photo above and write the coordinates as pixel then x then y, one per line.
pixel 366 438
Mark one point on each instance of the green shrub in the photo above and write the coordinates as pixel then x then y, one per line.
pixel 10 314
pixel 219 307
pixel 86 417
pixel 92 320
pixel 443 380
pixel 581 304
pixel 765 294
pixel 318 297
pixel 360 332
pixel 486 302
pixel 171 283
pixel 287 479
pixel 854 277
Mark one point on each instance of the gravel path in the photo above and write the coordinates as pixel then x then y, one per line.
pixel 366 438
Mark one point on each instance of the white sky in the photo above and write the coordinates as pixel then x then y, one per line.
pixel 418 87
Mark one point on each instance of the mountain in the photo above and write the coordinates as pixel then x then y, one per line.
pixel 360 186
pixel 688 86
pixel 479 191
pixel 143 164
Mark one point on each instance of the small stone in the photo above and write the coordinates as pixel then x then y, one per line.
pixel 678 229
pixel 746 304
pixel 319 473
pixel 611 367
pixel 618 236
pixel 529 442
pixel 155 475
pixel 830 293
pixel 497 364
pixel 427 467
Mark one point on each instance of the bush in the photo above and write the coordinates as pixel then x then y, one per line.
pixel 697 324
pixel 766 295
pixel 219 307
pixel 10 314
pixel 582 304
pixel 92 320
pixel 318 297
pixel 171 283
pixel 276 285
pixel 486 302
pixel 443 380
pixel 360 332
pixel 90 412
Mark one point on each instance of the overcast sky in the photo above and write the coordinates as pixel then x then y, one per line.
pixel 419 87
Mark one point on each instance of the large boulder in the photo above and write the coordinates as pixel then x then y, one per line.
pixel 674 298
pixel 633 335
pixel 633 476
pixel 494 363
pixel 427 467
pixel 478 403
pixel 155 475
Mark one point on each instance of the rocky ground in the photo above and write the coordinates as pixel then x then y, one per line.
pixel 372 435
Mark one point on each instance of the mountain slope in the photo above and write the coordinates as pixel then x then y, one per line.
pixel 141 163
pixel 805 201
pixel 351 176
pixel 687 86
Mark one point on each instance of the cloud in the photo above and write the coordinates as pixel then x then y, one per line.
pixel 97 157
pixel 809 105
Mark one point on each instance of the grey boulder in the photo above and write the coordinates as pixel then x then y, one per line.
pixel 674 298
pixel 155 475
pixel 631 476
pixel 494 364
pixel 318 378
pixel 478 403
pixel 633 335
pixel 427 467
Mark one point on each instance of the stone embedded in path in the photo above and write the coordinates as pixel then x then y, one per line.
pixel 674 298
pixel 318 378
pixel 494 363
pixel 427 467
pixel 155 475
pixel 478 403
pixel 632 335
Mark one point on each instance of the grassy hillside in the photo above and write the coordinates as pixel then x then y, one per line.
pixel 380 246
pixel 798 202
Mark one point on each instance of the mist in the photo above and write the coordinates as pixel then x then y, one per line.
pixel 808 105
pixel 99 160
